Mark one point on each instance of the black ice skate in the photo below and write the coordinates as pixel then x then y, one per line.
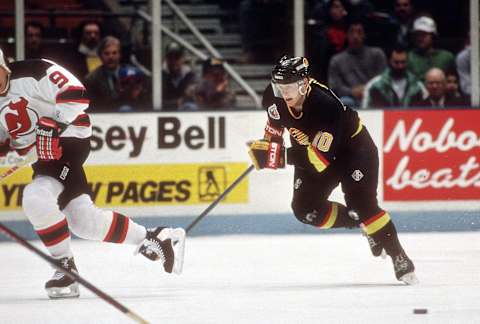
pixel 376 247
pixel 404 269
pixel 165 244
pixel 61 285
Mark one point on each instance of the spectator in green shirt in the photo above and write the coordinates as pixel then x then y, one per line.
pixel 424 55
pixel 396 86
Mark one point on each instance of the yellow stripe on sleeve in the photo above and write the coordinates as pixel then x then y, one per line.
pixel 317 159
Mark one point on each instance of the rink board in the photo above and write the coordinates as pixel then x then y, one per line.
pixel 175 164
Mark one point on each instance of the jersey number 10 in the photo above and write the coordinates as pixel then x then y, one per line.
pixel 322 141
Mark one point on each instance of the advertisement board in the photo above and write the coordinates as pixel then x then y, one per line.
pixel 150 164
pixel 431 155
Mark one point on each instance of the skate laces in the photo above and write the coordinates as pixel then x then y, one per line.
pixel 152 246
pixel 371 241
pixel 400 263
pixel 57 275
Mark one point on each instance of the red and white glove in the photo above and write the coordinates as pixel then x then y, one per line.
pixel 48 140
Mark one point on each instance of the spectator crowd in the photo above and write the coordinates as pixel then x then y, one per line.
pixel 405 67
pixel 394 62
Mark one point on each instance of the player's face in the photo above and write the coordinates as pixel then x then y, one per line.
pixel 3 80
pixel 292 93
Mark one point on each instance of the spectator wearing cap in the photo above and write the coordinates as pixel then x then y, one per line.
pixel 396 87
pixel 212 92
pixel 176 76
pixel 102 83
pixel 134 91
pixel 424 55
pixel 351 69
pixel 438 97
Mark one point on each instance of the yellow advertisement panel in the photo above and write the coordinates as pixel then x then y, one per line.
pixel 146 185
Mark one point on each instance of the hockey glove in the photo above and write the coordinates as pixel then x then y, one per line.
pixel 265 154
pixel 48 140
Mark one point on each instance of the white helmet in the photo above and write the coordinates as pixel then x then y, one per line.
pixel 3 63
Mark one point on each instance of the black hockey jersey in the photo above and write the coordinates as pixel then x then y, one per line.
pixel 319 133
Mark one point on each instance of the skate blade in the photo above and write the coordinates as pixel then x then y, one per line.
pixel 71 291
pixel 383 255
pixel 410 279
pixel 178 240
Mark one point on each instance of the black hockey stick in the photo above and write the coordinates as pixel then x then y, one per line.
pixel 14 236
pixel 220 197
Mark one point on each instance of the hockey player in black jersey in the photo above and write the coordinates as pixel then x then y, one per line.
pixel 42 112
pixel 330 146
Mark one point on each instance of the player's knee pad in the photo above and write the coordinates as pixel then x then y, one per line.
pixel 87 220
pixel 39 201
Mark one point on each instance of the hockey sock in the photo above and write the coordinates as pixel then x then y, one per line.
pixel 122 229
pixel 90 222
pixel 40 206
pixel 56 239
pixel 381 228
pixel 336 216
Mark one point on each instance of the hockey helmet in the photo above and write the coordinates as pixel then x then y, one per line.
pixel 3 62
pixel 290 69
pixel 288 77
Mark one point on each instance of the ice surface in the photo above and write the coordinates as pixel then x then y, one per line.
pixel 256 279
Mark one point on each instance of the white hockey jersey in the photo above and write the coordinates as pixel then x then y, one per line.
pixel 41 88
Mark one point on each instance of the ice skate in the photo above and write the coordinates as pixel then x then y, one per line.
pixel 61 285
pixel 404 269
pixel 165 244
pixel 376 247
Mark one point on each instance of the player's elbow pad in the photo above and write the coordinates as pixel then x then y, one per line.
pixel 265 154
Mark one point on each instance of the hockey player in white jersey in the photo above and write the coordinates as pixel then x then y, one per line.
pixel 42 110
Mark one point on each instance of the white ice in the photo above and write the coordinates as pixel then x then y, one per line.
pixel 256 279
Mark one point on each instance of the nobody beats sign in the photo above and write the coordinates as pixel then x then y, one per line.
pixel 431 155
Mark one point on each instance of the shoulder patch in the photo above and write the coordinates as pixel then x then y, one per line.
pixel 36 69
pixel 273 112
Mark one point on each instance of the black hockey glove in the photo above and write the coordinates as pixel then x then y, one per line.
pixel 265 154
pixel 48 140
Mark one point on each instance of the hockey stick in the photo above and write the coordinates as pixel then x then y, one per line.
pixel 30 158
pixel 14 236
pixel 220 197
